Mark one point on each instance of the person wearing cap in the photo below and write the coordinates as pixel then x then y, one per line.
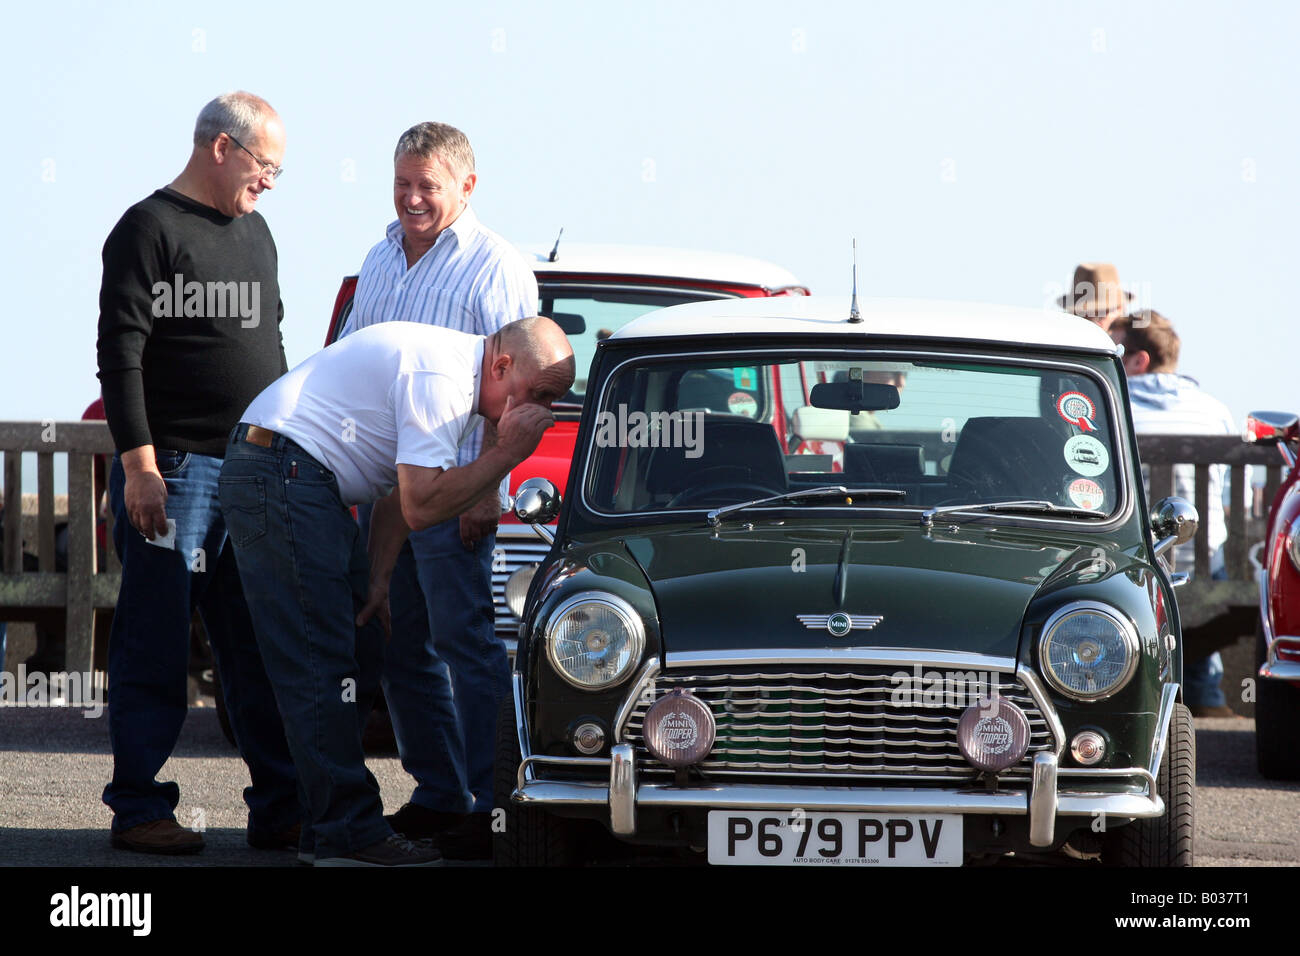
pixel 378 417
pixel 1096 295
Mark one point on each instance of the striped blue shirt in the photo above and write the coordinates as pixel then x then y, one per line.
pixel 471 280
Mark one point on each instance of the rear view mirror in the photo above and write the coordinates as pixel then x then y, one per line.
pixel 854 396
pixel 571 322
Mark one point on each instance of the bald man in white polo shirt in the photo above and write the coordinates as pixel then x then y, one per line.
pixel 378 416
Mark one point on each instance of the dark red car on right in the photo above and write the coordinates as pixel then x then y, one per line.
pixel 1277 701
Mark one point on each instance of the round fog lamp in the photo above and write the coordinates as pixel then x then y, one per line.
pixel 993 734
pixel 1088 747
pixel 679 729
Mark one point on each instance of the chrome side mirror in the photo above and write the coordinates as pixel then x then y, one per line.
pixel 1269 428
pixel 537 503
pixel 1174 521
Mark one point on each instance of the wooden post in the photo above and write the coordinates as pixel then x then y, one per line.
pixel 1203 506
pixel 1236 552
pixel 1162 481
pixel 45 509
pixel 13 544
pixel 81 564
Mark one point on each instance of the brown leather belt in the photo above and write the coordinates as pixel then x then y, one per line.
pixel 257 435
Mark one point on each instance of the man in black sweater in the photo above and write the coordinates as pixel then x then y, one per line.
pixel 189 334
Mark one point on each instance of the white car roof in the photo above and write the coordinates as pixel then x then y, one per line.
pixel 659 262
pixel 908 318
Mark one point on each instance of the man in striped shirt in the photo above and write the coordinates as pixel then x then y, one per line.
pixel 438 265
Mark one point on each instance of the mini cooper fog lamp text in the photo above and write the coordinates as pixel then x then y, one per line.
pixel 993 734
pixel 679 729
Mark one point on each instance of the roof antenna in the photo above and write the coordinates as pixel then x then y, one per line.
pixel 555 249
pixel 854 314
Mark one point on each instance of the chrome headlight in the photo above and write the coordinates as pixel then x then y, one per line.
pixel 595 640
pixel 1088 651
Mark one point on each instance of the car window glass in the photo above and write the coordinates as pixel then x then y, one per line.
pixel 694 433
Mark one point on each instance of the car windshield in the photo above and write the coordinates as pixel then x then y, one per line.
pixel 700 433
pixel 588 313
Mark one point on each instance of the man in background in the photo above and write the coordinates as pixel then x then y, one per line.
pixel 1096 295
pixel 1167 403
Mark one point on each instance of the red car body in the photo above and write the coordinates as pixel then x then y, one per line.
pixel 1277 701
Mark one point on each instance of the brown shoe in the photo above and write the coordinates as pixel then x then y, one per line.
pixel 159 836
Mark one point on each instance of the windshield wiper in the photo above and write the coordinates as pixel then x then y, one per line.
pixel 826 491
pixel 927 516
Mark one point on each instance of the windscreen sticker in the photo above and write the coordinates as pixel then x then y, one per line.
pixel 1085 493
pixel 1086 456
pixel 1077 409
pixel 741 404
pixel 746 378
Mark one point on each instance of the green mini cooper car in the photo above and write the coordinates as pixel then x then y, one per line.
pixel 851 586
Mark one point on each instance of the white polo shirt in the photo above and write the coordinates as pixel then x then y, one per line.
pixel 389 394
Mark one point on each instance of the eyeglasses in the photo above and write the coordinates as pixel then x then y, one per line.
pixel 268 169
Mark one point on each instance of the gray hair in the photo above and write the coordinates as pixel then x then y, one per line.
pixel 437 140
pixel 239 114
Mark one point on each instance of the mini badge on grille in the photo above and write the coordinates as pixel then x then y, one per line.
pixel 839 623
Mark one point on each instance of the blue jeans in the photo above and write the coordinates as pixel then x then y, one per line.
pixel 148 654
pixel 1202 675
pixel 446 672
pixel 306 576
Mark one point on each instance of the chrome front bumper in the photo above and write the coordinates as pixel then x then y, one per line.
pixel 1042 803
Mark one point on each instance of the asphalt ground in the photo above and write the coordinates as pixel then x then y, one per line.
pixel 54 763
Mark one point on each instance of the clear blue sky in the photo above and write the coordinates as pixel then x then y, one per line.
pixel 976 150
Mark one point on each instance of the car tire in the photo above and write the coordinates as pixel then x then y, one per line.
pixel 1277 715
pixel 1165 841
pixel 529 837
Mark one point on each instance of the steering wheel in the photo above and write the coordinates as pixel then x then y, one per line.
pixel 726 478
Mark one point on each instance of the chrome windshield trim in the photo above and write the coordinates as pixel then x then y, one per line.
pixel 644 680
pixel 902 656
pixel 1120 436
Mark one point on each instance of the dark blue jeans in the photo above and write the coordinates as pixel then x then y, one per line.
pixel 306 577
pixel 446 672
pixel 148 654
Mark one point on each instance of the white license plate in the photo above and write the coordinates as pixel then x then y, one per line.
pixel 796 838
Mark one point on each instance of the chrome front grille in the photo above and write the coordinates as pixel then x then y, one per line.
pixel 782 720
pixel 511 554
